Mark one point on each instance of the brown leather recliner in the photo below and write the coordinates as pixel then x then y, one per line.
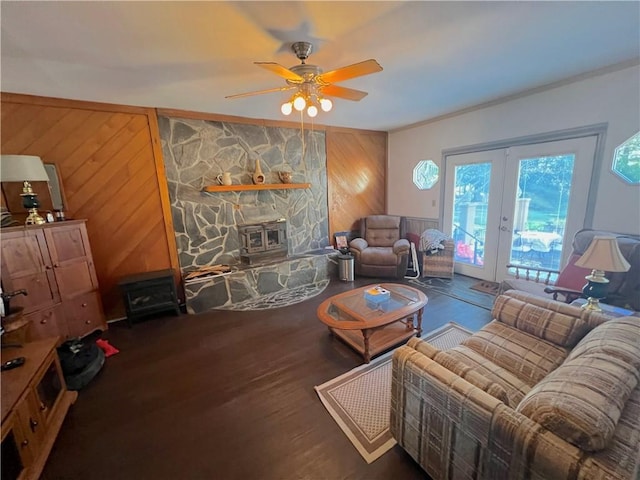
pixel 380 252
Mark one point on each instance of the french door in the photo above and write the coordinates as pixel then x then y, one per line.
pixel 516 205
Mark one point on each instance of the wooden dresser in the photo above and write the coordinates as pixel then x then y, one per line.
pixel 35 402
pixel 53 262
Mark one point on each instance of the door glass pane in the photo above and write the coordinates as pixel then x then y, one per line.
pixel 471 197
pixel 542 202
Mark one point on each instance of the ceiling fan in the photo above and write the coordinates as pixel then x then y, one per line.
pixel 311 86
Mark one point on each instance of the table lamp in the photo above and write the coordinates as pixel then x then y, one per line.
pixel 25 168
pixel 603 255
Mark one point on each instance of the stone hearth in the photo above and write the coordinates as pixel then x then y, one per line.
pixel 273 285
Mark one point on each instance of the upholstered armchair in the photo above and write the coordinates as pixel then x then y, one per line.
pixel 435 262
pixel 379 251
pixel 624 287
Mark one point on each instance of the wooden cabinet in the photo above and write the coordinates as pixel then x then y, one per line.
pixel 26 264
pixel 53 262
pixel 34 403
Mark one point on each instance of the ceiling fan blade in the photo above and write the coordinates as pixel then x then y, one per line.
pixel 280 70
pixel 260 92
pixel 343 92
pixel 356 70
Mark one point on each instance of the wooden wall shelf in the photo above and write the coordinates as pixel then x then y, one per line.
pixel 264 186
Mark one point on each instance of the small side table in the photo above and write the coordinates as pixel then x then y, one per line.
pixel 149 292
pixel 610 310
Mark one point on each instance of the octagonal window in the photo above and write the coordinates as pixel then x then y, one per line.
pixel 425 174
pixel 626 160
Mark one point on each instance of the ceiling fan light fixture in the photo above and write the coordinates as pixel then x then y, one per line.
pixel 286 108
pixel 308 82
pixel 326 105
pixel 299 103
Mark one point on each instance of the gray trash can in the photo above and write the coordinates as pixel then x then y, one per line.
pixel 345 268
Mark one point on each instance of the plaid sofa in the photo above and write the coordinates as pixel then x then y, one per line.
pixel 544 391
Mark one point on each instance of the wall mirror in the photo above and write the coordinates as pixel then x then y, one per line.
pixel 54 186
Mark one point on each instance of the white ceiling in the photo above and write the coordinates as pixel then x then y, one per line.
pixel 438 57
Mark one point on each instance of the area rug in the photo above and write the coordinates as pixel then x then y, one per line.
pixel 360 400
pixel 486 286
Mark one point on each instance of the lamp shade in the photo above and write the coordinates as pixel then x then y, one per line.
pixel 18 168
pixel 603 254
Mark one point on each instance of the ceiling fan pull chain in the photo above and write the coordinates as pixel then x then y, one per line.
pixel 302 134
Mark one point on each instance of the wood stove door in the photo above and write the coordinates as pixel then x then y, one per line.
pixel 255 239
pixel 274 238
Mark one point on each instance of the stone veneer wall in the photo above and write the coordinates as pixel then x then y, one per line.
pixel 195 152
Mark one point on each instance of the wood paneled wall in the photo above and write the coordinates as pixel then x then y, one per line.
pixel 356 168
pixel 110 165
pixel 108 159
pixel 357 171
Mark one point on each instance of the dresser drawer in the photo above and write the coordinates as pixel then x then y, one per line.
pixel 84 314
pixel 47 323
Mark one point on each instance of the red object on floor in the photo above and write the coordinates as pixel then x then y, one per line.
pixel 107 348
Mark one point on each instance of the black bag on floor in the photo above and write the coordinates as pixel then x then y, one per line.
pixel 80 362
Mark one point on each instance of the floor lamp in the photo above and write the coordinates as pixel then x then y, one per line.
pixel 25 168
pixel 603 255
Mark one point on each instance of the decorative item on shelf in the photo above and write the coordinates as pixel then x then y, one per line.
pixel 55 186
pixel 25 168
pixel 5 308
pixel 285 177
pixel 342 242
pixel 258 176
pixel 15 327
pixel 603 255
pixel 6 220
pixel 224 178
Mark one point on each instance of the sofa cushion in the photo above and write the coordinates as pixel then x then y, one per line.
pixel 382 230
pixel 526 356
pixel 378 256
pixel 621 458
pixel 582 400
pixel 414 238
pixel 423 347
pixel 572 277
pixel 590 317
pixel 454 365
pixel 619 337
pixel 515 388
pixel 563 330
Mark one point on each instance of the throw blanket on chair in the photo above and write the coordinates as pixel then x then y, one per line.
pixel 432 240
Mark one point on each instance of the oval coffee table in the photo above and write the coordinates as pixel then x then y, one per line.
pixel 371 328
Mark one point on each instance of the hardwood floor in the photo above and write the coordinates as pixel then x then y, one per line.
pixel 226 395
